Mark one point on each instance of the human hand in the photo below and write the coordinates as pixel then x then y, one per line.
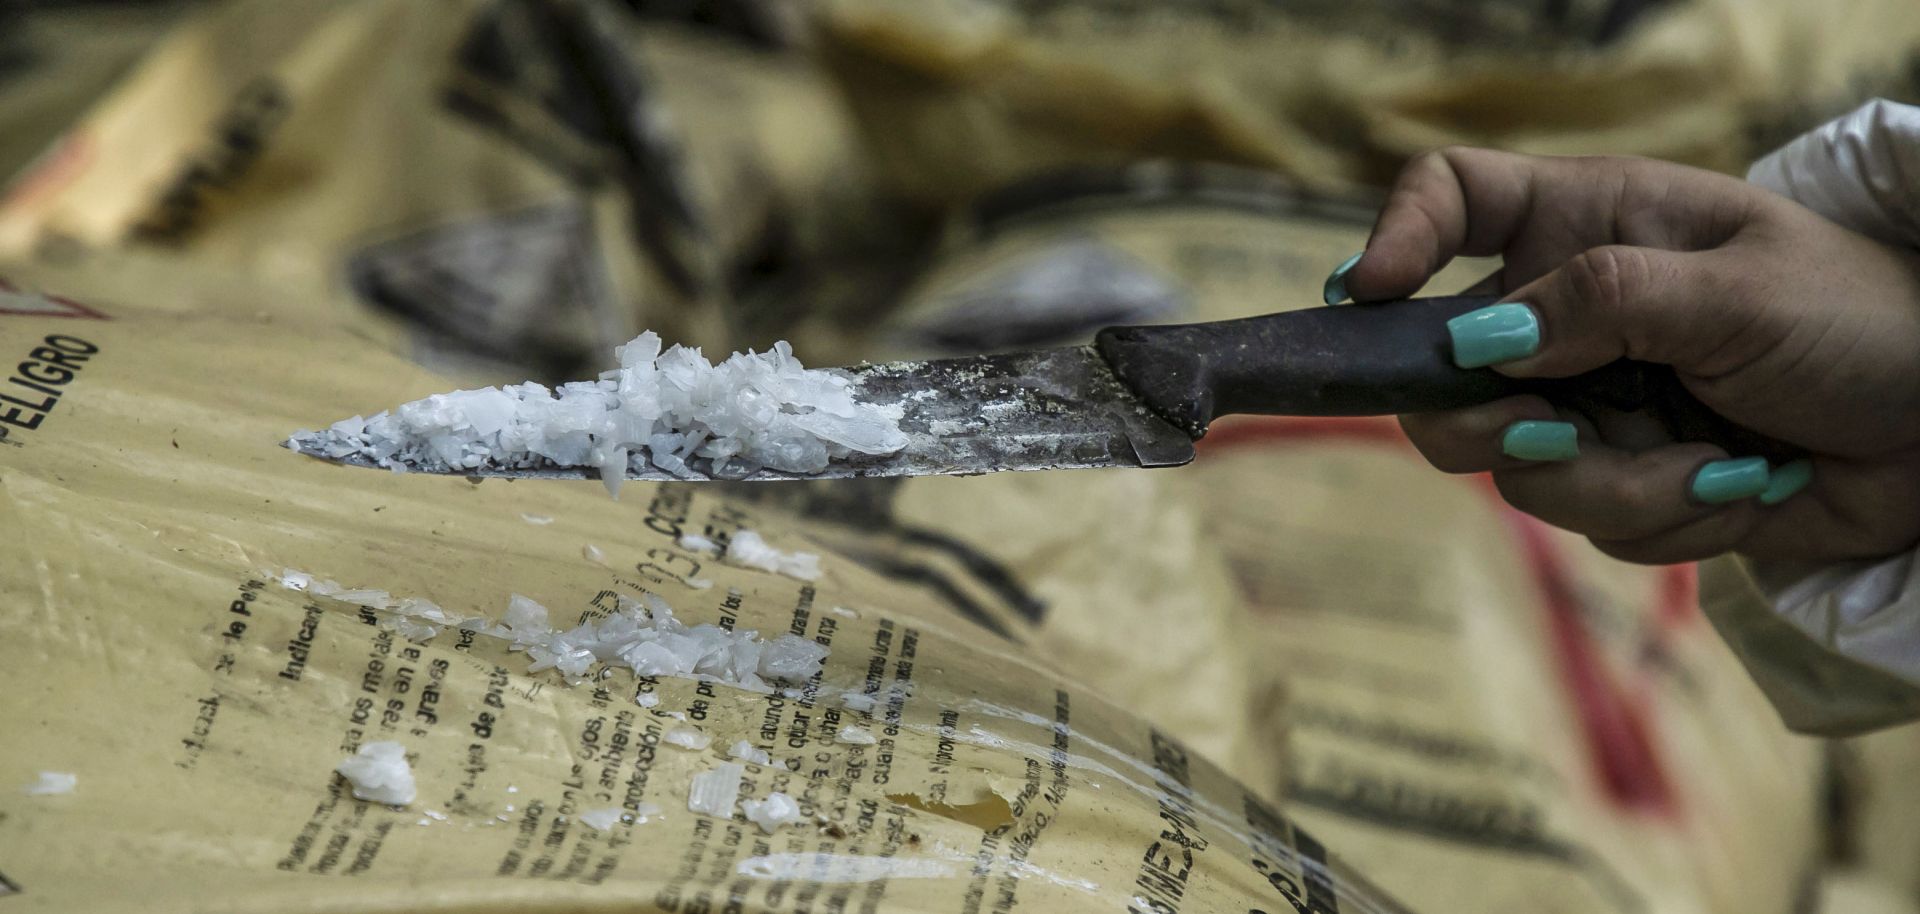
pixel 1772 316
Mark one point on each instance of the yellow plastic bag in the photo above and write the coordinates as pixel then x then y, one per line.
pixel 203 707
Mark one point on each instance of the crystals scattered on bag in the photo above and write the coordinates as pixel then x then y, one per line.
pixel 641 635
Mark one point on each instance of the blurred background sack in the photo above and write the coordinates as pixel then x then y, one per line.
pixel 1470 709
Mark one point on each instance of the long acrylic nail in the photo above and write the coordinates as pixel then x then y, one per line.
pixel 1786 481
pixel 1494 334
pixel 1723 481
pixel 1335 291
pixel 1536 440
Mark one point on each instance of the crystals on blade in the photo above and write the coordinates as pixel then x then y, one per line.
pixel 672 409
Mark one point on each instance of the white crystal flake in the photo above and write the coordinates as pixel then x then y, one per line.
pixel 746 752
pixel 715 790
pixel 854 700
pixel 379 772
pixel 748 549
pixel 602 819
pixel 51 783
pixel 854 736
pixel 688 738
pixel 776 810
pixel 607 817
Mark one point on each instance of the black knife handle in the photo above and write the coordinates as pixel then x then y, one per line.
pixel 1373 360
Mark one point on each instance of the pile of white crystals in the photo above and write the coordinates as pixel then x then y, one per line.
pixel 673 409
pixel 379 772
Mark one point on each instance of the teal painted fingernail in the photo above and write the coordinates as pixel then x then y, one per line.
pixel 1335 291
pixel 1494 334
pixel 1787 480
pixel 1723 481
pixel 1533 440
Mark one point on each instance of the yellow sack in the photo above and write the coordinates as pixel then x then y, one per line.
pixel 440 176
pixel 202 707
pixel 960 96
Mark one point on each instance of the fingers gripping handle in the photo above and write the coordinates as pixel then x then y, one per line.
pixel 1373 360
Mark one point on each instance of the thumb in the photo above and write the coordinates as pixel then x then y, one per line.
pixel 1608 303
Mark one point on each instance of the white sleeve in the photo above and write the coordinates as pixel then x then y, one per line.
pixel 1861 171
pixel 1869 611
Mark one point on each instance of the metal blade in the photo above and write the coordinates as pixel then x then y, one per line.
pixel 1054 409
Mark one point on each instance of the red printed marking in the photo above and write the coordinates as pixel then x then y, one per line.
pixel 14 300
pixel 1679 595
pixel 52 172
pixel 1613 722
